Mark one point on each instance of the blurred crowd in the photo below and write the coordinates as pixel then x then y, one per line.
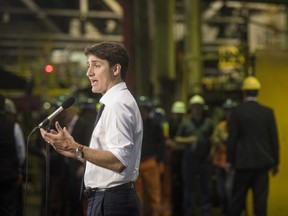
pixel 184 169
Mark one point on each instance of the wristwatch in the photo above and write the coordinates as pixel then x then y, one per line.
pixel 79 152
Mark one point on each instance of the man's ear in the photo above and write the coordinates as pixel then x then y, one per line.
pixel 116 69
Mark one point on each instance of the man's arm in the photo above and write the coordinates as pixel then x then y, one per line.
pixel 105 159
pixel 274 143
pixel 186 140
pixel 232 139
pixel 64 144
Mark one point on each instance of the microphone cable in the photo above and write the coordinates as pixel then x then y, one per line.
pixel 45 123
pixel 27 168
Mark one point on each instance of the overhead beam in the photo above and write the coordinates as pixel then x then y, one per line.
pixel 264 1
pixel 64 12
pixel 29 45
pixel 59 36
pixel 114 6
pixel 39 13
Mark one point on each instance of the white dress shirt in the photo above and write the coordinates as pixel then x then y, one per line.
pixel 119 130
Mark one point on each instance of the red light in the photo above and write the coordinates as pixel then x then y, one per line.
pixel 49 68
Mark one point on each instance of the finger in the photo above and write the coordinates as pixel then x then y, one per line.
pixel 54 147
pixel 43 132
pixel 66 132
pixel 48 137
pixel 53 131
pixel 58 127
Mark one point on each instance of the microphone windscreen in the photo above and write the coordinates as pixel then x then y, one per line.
pixel 69 102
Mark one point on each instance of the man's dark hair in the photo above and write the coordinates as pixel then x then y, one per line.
pixel 113 52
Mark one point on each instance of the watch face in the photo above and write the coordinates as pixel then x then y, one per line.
pixel 79 153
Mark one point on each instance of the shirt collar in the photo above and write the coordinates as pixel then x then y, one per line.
pixel 108 96
pixel 250 98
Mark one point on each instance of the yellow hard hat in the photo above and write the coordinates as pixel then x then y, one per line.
pixel 197 99
pixel 251 83
pixel 178 107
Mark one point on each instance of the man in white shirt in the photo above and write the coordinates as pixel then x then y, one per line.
pixel 113 156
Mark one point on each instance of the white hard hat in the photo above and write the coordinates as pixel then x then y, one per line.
pixel 178 107
pixel 197 99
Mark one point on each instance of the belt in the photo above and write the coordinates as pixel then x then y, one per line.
pixel 90 192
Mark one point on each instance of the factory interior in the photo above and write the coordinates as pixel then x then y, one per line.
pixel 177 48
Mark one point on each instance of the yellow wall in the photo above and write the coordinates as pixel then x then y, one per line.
pixel 272 72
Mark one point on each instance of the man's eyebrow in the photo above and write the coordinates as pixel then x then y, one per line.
pixel 93 61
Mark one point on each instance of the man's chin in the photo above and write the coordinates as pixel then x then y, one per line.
pixel 94 90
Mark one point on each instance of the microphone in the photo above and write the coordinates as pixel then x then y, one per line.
pixel 66 104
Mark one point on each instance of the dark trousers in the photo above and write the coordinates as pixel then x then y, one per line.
pixel 75 206
pixel 114 203
pixel 222 189
pixel 9 197
pixel 196 180
pixel 257 180
pixel 177 197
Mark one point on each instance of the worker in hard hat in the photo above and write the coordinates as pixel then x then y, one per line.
pixel 159 115
pixel 253 150
pixel 178 112
pixel 148 185
pixel 219 154
pixel 194 135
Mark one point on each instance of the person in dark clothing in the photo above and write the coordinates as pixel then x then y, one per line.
pixel 54 193
pixel 11 115
pixel 219 155
pixel 194 135
pixel 178 112
pixel 148 184
pixel 81 130
pixel 66 173
pixel 10 163
pixel 253 150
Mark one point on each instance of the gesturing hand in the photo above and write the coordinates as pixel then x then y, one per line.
pixel 60 139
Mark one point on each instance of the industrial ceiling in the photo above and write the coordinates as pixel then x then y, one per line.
pixel 29 28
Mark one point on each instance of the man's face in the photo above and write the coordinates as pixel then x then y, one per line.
pixel 99 74
pixel 197 111
pixel 144 112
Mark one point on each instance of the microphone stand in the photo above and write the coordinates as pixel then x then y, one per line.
pixel 47 167
pixel 47 195
pixel 46 124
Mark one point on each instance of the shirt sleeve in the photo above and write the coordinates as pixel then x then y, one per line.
pixel 274 142
pixel 20 143
pixel 119 136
